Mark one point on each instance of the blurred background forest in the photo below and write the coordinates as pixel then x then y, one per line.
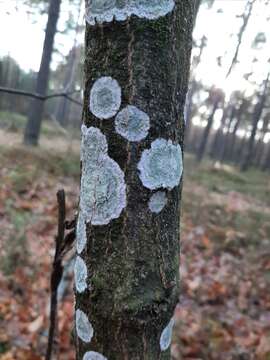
pixel 224 305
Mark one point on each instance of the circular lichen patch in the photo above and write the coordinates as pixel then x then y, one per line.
pixel 132 123
pixel 157 202
pixel 161 166
pixel 92 355
pixel 105 98
pixel 83 327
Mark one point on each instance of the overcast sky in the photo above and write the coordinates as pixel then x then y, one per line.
pixel 23 39
pixel 22 35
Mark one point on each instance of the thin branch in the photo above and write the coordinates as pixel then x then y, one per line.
pixel 62 245
pixel 41 97
pixel 246 17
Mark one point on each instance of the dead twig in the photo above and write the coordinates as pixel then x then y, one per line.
pixel 62 245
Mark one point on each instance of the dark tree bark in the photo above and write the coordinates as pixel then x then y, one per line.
pixel 223 151
pixel 266 162
pixel 32 130
pixel 133 262
pixel 260 146
pixel 255 120
pixel 231 154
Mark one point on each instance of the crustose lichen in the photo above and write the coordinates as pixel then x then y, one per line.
pixel 106 10
pixel 83 327
pixel 80 274
pixel 103 188
pixel 161 166
pixel 80 233
pixel 132 123
pixel 157 202
pixel 92 355
pixel 166 336
pixel 105 98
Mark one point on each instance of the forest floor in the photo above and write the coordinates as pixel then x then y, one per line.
pixel 224 307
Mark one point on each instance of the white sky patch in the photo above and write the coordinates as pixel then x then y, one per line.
pixel 24 34
pixel 25 40
pixel 221 30
pixel 266 138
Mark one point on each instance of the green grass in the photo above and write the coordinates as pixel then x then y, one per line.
pixel 14 122
pixel 206 202
pixel 27 164
pixel 15 248
pixel 253 183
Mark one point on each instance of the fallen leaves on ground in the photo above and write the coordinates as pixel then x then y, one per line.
pixel 224 307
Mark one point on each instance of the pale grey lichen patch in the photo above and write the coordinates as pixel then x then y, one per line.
pixel 92 355
pixel 103 188
pixel 81 238
pixel 80 274
pixel 166 336
pixel 105 10
pixel 157 202
pixel 105 98
pixel 152 9
pixel 83 327
pixel 94 144
pixel 132 123
pixel 162 165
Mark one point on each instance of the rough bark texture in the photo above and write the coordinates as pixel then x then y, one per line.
pixel 133 262
pixel 32 130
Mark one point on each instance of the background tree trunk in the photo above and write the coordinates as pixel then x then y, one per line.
pixel 219 136
pixel 206 132
pixel 32 130
pixel 133 262
pixel 62 112
pixel 255 120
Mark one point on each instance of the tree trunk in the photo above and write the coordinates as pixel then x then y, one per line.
pixel 266 162
pixel 234 138
pixel 224 149
pixel 219 136
pixel 255 120
pixel 260 147
pixel 63 105
pixel 206 132
pixel 32 130
pixel 126 271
